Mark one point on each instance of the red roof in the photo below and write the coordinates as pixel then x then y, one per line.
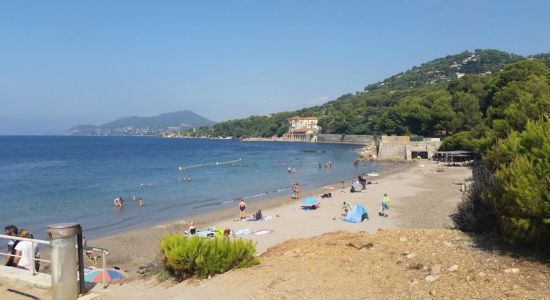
pixel 303 118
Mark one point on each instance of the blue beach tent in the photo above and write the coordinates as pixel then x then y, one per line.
pixel 356 214
pixel 310 201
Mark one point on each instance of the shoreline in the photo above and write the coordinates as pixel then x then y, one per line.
pixel 270 202
pixel 139 246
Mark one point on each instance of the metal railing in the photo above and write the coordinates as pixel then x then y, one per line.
pixel 104 252
pixel 33 259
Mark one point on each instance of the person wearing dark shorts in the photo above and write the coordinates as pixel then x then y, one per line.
pixel 242 207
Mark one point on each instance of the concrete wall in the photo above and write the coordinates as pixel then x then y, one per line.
pixel 403 150
pixel 345 138
pixel 392 151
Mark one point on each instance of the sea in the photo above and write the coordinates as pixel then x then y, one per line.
pixel 54 179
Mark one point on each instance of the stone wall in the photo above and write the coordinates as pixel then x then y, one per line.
pixel 393 150
pixel 345 138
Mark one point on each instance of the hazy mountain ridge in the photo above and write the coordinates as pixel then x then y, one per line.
pixel 136 125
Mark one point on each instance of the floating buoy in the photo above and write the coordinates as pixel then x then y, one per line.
pixel 181 168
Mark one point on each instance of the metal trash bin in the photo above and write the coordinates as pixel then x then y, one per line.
pixel 63 244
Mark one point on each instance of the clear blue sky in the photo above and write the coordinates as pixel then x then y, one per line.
pixel 64 63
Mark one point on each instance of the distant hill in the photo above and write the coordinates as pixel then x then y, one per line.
pixel 155 125
pixel 480 62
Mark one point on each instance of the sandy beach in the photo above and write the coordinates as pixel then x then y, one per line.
pixel 415 189
pixel 314 255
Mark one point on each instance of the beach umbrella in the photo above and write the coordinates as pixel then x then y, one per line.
pixel 311 201
pixel 96 276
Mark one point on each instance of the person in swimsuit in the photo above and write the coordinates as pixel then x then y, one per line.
pixel 242 207
pixel 192 228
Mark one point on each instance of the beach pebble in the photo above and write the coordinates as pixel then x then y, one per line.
pixel 435 269
pixel 453 268
pixel 403 239
pixel 481 274
pixel 410 255
pixel 512 270
pixel 431 278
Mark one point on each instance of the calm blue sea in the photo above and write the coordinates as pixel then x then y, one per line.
pixel 50 179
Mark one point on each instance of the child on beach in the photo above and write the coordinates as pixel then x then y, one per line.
pixel 346 207
pixel 385 206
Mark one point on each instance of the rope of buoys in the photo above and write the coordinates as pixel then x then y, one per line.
pixel 217 163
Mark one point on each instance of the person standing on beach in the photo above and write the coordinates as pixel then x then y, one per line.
pixel 242 208
pixel 385 206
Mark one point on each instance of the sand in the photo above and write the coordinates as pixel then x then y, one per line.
pixel 420 198
pixel 413 204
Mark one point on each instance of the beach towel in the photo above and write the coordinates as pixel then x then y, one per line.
pixel 245 231
pixel 262 232
pixel 357 214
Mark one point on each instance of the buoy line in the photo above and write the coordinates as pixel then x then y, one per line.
pixel 217 163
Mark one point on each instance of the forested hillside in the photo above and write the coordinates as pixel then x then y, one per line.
pixel 503 116
pixel 425 100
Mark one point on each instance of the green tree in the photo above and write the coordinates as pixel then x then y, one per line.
pixel 521 197
pixel 467 111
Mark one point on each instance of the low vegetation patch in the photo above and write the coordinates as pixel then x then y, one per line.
pixel 186 257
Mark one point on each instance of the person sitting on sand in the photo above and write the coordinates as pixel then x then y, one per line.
pixel 192 228
pixel 385 206
pixel 258 215
pixel 242 208
pixel 346 207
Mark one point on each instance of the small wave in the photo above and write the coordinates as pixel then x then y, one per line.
pixel 254 196
pixel 207 205
pixel 281 190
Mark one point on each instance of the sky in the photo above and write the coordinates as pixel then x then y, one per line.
pixel 64 63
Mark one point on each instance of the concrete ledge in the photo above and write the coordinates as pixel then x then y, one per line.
pixel 10 276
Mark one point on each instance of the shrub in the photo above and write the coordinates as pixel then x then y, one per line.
pixel 185 256
pixel 473 213
pixel 521 197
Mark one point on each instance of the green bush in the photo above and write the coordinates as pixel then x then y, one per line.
pixel 185 256
pixel 521 197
